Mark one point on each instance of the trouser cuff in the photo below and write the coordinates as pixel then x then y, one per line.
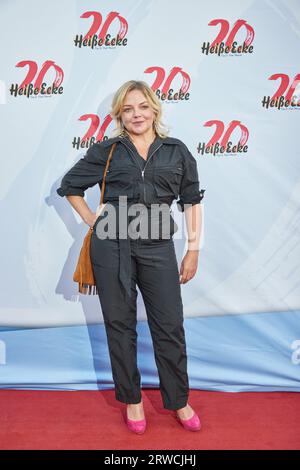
pixel 129 400
pixel 175 406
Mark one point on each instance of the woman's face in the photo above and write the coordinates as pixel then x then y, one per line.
pixel 137 114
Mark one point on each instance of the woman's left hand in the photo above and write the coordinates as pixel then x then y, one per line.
pixel 189 266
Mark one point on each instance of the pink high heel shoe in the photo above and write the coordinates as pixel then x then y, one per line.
pixel 191 424
pixel 138 427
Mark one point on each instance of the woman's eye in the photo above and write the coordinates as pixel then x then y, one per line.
pixel 128 109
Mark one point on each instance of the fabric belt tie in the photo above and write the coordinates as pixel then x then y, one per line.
pixel 125 266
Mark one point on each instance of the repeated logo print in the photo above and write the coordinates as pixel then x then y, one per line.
pixel 98 35
pixel 287 95
pixel 96 131
pixel 35 84
pixel 163 84
pixel 225 44
pixel 221 143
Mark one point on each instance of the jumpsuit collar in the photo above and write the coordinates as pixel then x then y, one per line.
pixel 152 148
pixel 119 138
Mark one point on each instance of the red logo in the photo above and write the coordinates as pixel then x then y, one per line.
pixel 220 143
pixel 39 87
pixel 225 41
pixel 162 84
pixel 95 132
pixel 285 94
pixel 98 35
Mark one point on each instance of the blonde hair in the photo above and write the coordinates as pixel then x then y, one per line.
pixel 118 102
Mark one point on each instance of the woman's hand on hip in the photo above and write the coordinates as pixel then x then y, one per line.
pixel 93 216
pixel 91 219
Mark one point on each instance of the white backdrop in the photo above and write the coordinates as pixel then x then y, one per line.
pixel 249 262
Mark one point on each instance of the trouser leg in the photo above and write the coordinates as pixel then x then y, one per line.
pixel 158 281
pixel 120 318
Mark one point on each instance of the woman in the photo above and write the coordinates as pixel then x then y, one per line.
pixel 147 168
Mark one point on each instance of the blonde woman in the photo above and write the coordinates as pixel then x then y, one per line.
pixel 147 169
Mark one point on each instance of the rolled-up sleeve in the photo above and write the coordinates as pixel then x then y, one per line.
pixel 87 172
pixel 190 192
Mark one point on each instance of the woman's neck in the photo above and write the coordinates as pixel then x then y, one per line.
pixel 141 139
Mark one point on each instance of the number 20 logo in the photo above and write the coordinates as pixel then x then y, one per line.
pixel 224 31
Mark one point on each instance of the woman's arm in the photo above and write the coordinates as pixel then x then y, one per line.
pixel 193 219
pixel 189 264
pixel 87 172
pixel 81 207
pixel 189 202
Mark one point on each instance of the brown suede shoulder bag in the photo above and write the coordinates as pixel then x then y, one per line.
pixel 83 273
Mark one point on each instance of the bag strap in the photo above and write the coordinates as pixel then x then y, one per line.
pixel 105 171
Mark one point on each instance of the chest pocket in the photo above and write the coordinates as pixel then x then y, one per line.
pixel 119 182
pixel 167 180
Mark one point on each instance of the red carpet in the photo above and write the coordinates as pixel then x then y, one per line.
pixel 95 420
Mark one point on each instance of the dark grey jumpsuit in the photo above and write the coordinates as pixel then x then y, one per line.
pixel 121 263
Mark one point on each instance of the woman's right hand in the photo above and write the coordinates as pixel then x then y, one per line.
pixel 81 207
pixel 93 216
pixel 91 219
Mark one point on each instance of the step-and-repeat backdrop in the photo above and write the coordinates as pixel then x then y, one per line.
pixel 228 77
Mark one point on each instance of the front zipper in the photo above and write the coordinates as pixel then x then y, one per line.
pixel 147 161
pixel 143 171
